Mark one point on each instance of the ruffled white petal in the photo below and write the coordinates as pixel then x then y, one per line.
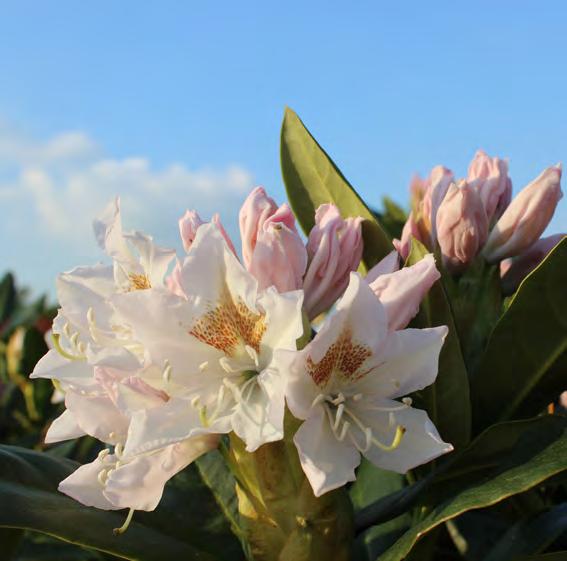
pixel 64 427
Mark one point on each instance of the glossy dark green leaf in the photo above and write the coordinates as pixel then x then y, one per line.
pixel 7 297
pixel 179 529
pixel 447 400
pixel 531 535
pixel 312 178
pixel 505 460
pixel 528 339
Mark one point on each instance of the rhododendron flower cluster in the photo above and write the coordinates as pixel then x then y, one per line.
pixel 477 215
pixel 158 357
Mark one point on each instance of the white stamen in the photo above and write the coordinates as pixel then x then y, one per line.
pixel 102 477
pixel 119 450
pixel 338 417
pixel 319 399
pixel 346 426
pixel 67 329
pixel 203 366
pixel 407 401
pixel 252 354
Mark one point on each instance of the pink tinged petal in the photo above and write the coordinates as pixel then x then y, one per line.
pixel 173 281
pixel 526 218
pixel 257 208
pixel 139 483
pixel 489 178
pixel 84 486
pixel 190 222
pixel 389 264
pixel 401 292
pixel 408 362
pixel 438 184
pixel 327 462
pixel 279 257
pixel 97 416
pixel 420 443
pixel 462 226
pixel 334 248
pixel 514 270
pixel 63 428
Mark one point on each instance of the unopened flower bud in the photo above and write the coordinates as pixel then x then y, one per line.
pixel 438 184
pixel 190 222
pixel 514 270
pixel 257 208
pixel 279 257
pixel 335 249
pixel 401 292
pixel 489 177
pixel 526 218
pixel 462 226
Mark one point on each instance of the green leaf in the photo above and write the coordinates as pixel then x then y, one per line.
pixel 447 400
pixel 179 529
pixel 528 339
pixel 312 178
pixel 531 535
pixel 505 460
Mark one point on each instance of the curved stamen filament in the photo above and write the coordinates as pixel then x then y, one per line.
pixel 124 527
pixel 62 351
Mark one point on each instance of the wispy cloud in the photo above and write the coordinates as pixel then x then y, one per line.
pixel 51 190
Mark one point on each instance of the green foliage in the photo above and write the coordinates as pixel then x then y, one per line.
pixel 528 340
pixel 312 179
pixel 30 500
pixel 447 400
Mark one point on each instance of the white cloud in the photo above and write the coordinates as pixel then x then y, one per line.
pixel 63 182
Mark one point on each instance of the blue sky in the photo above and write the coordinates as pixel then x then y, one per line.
pixel 179 104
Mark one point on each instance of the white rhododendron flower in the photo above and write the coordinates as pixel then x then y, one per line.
pixel 216 346
pixel 345 385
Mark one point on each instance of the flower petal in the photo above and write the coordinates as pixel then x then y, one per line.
pixel 139 484
pixel 420 443
pixel 64 427
pixel 327 462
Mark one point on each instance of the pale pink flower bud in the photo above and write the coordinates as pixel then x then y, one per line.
pixel 514 270
pixel 462 226
pixel 526 218
pixel 335 249
pixel 410 229
pixel 279 257
pixel 257 208
pixel 389 264
pixel 489 177
pixel 437 186
pixel 401 292
pixel 190 222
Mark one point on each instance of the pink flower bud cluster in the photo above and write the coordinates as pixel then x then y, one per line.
pixel 477 215
pixel 274 252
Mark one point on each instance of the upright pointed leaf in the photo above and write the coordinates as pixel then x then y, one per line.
pixel 447 400
pixel 312 179
pixel 528 339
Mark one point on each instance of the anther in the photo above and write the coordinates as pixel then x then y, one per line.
pixel 407 401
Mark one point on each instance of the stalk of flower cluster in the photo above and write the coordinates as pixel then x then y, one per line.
pixel 282 518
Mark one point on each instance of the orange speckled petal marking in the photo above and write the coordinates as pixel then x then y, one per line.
pixel 139 282
pixel 229 325
pixel 343 358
